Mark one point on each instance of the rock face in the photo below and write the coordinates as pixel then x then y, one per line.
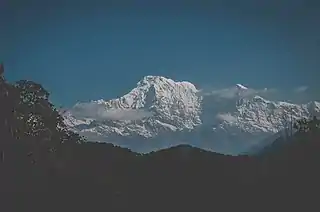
pixel 160 113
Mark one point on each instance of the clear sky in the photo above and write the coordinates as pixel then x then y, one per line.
pixel 84 50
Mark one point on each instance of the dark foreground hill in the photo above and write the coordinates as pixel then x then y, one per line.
pixel 179 175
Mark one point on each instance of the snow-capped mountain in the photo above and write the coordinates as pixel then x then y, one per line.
pixel 160 112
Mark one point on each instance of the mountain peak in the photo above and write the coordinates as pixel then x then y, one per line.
pixel 150 80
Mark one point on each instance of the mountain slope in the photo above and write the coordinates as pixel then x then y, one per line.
pixel 160 113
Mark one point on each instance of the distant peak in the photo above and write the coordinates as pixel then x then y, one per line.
pixel 155 78
pixel 152 79
pixel 160 80
pixel 241 86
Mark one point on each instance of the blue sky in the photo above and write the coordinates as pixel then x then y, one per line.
pixel 84 50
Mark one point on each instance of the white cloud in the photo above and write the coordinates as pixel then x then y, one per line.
pixel 100 112
pixel 127 114
pixel 298 95
pixel 226 117
pixel 233 92
pixel 301 89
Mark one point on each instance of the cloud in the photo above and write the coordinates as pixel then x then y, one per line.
pixel 233 92
pixel 226 117
pixel 298 95
pixel 100 112
pixel 127 114
pixel 301 89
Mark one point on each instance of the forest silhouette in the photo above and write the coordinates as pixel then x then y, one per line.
pixel 40 157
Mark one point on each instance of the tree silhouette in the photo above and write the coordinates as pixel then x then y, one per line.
pixel 305 125
pixel 27 115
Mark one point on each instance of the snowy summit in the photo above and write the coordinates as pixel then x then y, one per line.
pixel 160 112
